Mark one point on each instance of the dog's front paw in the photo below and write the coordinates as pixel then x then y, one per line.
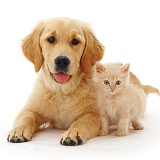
pixel 72 138
pixel 19 135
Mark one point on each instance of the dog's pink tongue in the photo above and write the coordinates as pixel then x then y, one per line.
pixel 61 77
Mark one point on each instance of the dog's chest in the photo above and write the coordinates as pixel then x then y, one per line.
pixel 66 110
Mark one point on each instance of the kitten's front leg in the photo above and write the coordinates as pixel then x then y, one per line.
pixel 104 125
pixel 123 125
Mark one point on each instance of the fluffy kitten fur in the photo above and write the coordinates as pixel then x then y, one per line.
pixel 119 101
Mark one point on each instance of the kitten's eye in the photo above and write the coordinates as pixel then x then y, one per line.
pixel 118 82
pixel 51 39
pixel 74 41
pixel 106 82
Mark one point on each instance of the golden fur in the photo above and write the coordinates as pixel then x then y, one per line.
pixel 68 105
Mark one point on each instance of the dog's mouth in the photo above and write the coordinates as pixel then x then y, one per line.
pixel 60 77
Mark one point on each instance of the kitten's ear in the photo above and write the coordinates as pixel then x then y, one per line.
pixel 100 68
pixel 125 68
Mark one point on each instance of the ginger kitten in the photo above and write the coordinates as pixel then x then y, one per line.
pixel 118 100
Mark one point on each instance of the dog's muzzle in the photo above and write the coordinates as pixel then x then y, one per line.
pixel 61 67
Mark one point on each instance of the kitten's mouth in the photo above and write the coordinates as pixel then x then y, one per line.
pixel 112 92
pixel 60 77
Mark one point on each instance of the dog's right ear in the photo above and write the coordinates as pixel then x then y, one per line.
pixel 32 49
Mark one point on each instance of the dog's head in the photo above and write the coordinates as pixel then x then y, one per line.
pixel 64 46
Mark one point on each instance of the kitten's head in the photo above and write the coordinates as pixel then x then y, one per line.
pixel 112 77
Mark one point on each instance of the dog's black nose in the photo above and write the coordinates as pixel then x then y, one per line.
pixel 62 62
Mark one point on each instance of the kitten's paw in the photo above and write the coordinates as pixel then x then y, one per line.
pixel 121 133
pixel 103 132
pixel 19 135
pixel 137 126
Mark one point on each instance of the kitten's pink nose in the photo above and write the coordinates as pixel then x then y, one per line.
pixel 112 87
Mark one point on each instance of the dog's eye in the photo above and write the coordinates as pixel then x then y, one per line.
pixel 106 82
pixel 74 41
pixel 51 39
pixel 118 82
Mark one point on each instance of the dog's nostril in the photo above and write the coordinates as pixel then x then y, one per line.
pixel 62 61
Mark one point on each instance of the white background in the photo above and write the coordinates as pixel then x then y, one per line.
pixel 130 32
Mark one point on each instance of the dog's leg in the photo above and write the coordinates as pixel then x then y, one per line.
pixel 26 123
pixel 85 127
pixel 32 115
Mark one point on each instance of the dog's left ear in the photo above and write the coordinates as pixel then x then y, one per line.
pixel 32 49
pixel 93 51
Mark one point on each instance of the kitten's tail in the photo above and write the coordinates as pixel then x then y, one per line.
pixel 149 89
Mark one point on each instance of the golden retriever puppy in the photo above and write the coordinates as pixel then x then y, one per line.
pixel 64 52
